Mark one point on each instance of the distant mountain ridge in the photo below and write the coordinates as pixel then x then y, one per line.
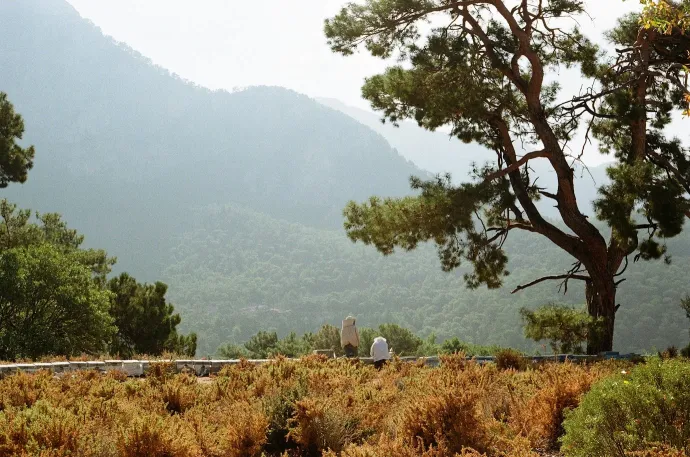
pixel 108 124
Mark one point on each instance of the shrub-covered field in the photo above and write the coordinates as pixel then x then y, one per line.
pixel 315 407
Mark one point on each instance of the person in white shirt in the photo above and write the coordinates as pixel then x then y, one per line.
pixel 349 337
pixel 379 352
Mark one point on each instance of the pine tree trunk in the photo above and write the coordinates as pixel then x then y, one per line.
pixel 601 304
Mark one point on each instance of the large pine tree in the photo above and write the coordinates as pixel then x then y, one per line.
pixel 483 69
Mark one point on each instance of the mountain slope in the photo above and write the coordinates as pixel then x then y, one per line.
pixel 117 135
pixel 436 152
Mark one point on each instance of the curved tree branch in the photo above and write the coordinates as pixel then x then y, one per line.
pixel 515 165
pixel 550 278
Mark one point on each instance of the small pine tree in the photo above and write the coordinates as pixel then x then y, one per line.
pixel 567 328
pixel 262 345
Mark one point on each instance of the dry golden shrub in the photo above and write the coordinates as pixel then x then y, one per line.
pixel 390 448
pixel 159 371
pixel 43 427
pixel 245 435
pixel 322 425
pixel 23 390
pixel 228 429
pixel 54 428
pixel 149 435
pixel 539 416
pixel 454 362
pixel 452 418
pixel 14 433
pixel 294 409
pixel 510 359
pixel 180 393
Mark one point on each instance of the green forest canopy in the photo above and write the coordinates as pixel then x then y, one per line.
pixel 238 272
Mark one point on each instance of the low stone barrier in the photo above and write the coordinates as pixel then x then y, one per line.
pixel 202 368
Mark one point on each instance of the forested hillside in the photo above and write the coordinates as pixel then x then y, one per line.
pixel 235 199
pixel 239 271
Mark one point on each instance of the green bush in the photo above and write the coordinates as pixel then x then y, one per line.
pixel 366 339
pixel 401 340
pixel 262 345
pixel 328 337
pixel 511 359
pixel 626 412
pixel 279 409
pixel 455 346
pixel 233 351
pixel 565 327
pixel 685 352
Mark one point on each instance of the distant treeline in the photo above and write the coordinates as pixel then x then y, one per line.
pixel 400 340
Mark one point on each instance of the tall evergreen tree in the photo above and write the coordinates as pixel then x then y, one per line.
pixel 146 323
pixel 15 161
pixel 484 70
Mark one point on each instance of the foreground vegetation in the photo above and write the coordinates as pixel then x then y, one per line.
pixel 316 407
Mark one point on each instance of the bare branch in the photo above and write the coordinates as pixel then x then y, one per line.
pixel 624 268
pixel 551 278
pixel 548 194
pixel 503 231
pixel 515 165
pixel 577 268
pixel 565 241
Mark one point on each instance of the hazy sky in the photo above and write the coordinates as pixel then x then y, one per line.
pixel 238 43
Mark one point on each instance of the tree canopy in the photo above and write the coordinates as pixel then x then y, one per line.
pixel 666 15
pixel 146 323
pixel 55 298
pixel 484 70
pixel 52 297
pixel 50 305
pixel 20 231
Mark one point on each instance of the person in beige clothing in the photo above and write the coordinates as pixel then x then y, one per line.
pixel 349 337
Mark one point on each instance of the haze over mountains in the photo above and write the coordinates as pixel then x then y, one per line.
pixel 235 199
